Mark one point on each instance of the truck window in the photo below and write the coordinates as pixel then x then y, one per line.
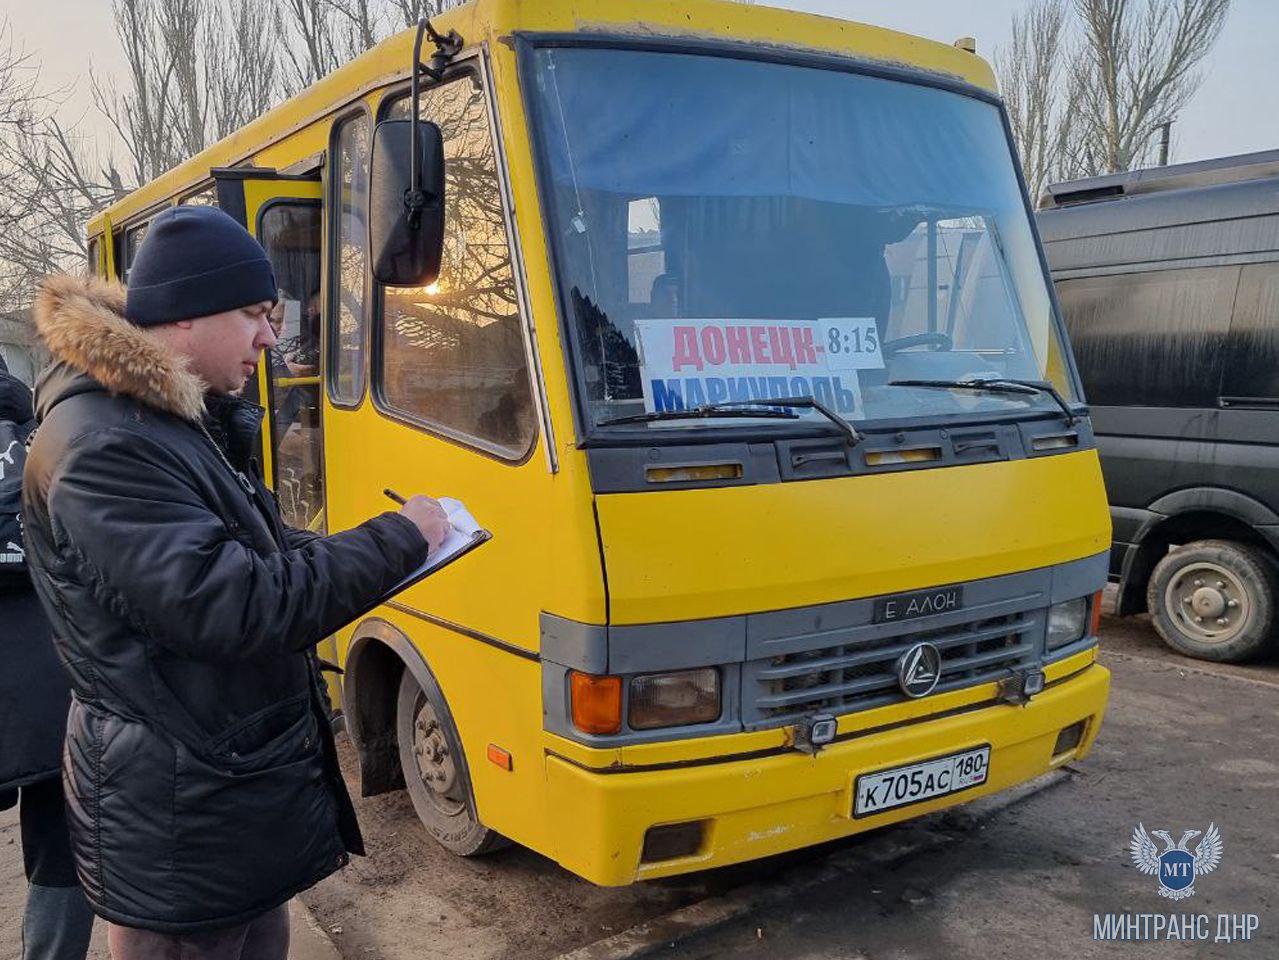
pixel 1153 339
pixel 1252 348
pixel 350 258
pixel 453 353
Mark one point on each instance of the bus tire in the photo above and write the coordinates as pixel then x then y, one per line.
pixel 435 771
pixel 1214 600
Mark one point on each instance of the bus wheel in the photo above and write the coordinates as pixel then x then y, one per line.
pixel 435 771
pixel 1214 600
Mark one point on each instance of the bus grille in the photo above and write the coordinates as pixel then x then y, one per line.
pixel 863 674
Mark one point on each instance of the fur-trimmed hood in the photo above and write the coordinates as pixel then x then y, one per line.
pixel 81 320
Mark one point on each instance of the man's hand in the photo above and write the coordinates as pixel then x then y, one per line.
pixel 429 518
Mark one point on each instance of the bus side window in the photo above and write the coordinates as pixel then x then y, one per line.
pixel 133 238
pixel 91 258
pixel 452 353
pixel 208 197
pixel 349 260
pixel 117 252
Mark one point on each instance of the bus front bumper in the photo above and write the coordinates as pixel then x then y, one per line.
pixel 754 808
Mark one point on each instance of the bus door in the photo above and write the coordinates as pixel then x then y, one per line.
pixel 284 212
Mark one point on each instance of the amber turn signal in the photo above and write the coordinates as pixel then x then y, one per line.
pixel 1094 625
pixel 499 756
pixel 597 702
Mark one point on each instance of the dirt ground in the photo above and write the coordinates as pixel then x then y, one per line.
pixel 1184 744
pixel 409 898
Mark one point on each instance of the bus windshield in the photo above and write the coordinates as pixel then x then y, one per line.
pixel 730 230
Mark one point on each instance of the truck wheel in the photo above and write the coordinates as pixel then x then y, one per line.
pixel 435 771
pixel 1214 600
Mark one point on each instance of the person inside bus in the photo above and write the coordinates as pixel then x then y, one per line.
pixel 203 784
pixel 288 403
pixel 34 696
pixel 296 355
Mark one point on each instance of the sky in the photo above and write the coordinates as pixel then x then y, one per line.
pixel 1231 113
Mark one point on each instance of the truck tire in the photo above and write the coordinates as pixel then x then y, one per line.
pixel 1214 600
pixel 435 771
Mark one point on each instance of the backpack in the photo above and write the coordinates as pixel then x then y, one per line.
pixel 13 457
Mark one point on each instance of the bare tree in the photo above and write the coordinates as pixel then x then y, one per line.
pixel 1088 86
pixel 17 96
pixel 196 70
pixel 310 53
pixel 359 25
pixel 1136 69
pixel 407 12
pixel 1030 74
pixel 17 77
pixel 325 34
pixel 51 182
pixel 244 73
pixel 140 115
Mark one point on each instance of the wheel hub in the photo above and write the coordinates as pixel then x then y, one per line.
pixel 1208 602
pixel 435 764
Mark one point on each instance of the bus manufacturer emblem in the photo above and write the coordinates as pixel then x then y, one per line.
pixel 919 669
pixel 921 603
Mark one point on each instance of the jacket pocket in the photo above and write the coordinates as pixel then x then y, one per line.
pixel 252 830
pixel 273 735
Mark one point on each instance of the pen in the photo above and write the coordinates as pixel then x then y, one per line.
pixel 393 495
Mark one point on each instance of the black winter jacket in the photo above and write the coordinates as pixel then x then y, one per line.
pixel 34 692
pixel 201 778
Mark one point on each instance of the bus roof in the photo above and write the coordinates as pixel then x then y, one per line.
pixel 490 20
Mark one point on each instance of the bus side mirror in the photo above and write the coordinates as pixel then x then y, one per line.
pixel 406 220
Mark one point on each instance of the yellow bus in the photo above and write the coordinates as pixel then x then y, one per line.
pixel 742 345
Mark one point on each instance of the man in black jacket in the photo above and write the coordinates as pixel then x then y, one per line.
pixel 203 789
pixel 34 695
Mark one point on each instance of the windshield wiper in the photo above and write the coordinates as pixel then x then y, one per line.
pixel 744 409
pixel 998 385
pixel 708 411
pixel 808 402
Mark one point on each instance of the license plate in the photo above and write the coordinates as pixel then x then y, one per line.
pixel 899 786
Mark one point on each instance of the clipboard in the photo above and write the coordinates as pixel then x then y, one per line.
pixel 467 535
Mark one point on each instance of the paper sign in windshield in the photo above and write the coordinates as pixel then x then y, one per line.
pixel 688 363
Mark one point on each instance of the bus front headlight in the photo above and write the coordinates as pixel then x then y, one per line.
pixel 1067 622
pixel 674 699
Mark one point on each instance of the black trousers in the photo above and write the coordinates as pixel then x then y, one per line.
pixel 46 848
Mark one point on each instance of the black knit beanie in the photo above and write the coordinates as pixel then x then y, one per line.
pixel 196 261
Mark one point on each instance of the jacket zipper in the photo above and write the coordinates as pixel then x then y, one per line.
pixel 245 483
